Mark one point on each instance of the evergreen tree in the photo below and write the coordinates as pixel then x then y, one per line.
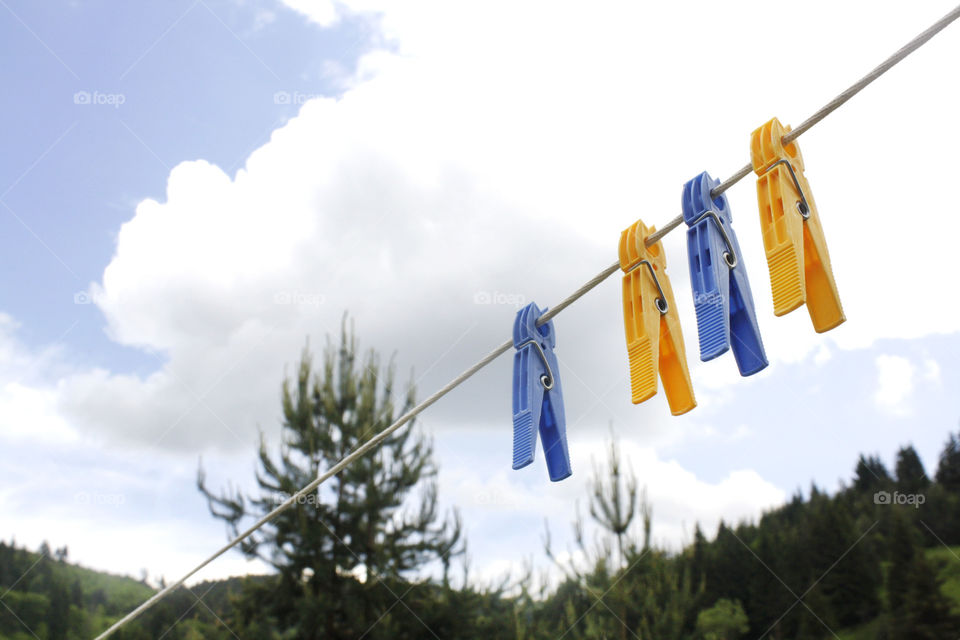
pixel 815 616
pixel 696 566
pixel 613 498
pixel 871 475
pixel 845 563
pixel 725 620
pixel 733 568
pixel 769 598
pixel 613 504
pixel 698 557
pixel 902 548
pixel 948 471
pixel 629 589
pixel 343 556
pixel 918 608
pixel 926 612
pixel 911 476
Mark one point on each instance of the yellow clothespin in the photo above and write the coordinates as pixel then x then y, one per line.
pixel 792 236
pixel 654 339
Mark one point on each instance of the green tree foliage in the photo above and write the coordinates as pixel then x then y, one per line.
pixel 628 588
pixel 911 476
pixel 343 556
pixel 926 612
pixel 902 552
pixel 833 565
pixel 871 475
pixel 917 607
pixel 613 499
pixel 948 471
pixel 725 620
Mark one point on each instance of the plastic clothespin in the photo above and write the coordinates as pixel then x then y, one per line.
pixel 796 249
pixel 654 338
pixel 721 290
pixel 537 395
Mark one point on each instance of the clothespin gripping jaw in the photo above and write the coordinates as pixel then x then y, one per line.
pixel 726 317
pixel 537 395
pixel 796 248
pixel 652 326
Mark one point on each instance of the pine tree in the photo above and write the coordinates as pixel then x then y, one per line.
pixel 902 548
pixel 871 475
pixel 845 563
pixel 769 597
pixel 733 569
pixel 926 610
pixel 613 499
pixel 698 557
pixel 948 471
pixel 345 551
pixel 911 476
pixel 814 616
pixel 613 505
pixel 725 620
pixel 918 608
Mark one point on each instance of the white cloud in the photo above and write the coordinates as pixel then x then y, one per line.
pixel 452 167
pixel 321 12
pixel 29 413
pixel 503 147
pixel 742 431
pixel 931 370
pixel 823 355
pixel 894 383
pixel 516 503
pixel 263 18
pixel 28 410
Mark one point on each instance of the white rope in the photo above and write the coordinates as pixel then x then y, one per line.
pixel 546 317
pixel 826 110
pixel 856 88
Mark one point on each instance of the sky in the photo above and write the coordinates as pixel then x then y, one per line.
pixel 192 191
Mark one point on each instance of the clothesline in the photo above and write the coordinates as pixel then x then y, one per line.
pixel 654 237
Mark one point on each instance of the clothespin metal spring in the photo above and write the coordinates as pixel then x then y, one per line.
pixel 545 380
pixel 802 206
pixel 729 256
pixel 662 305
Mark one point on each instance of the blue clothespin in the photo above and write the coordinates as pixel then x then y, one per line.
pixel 721 290
pixel 537 396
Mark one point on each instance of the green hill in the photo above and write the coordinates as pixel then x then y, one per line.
pixel 42 596
pixel 866 561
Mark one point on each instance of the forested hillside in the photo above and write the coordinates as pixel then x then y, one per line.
pixel 876 559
